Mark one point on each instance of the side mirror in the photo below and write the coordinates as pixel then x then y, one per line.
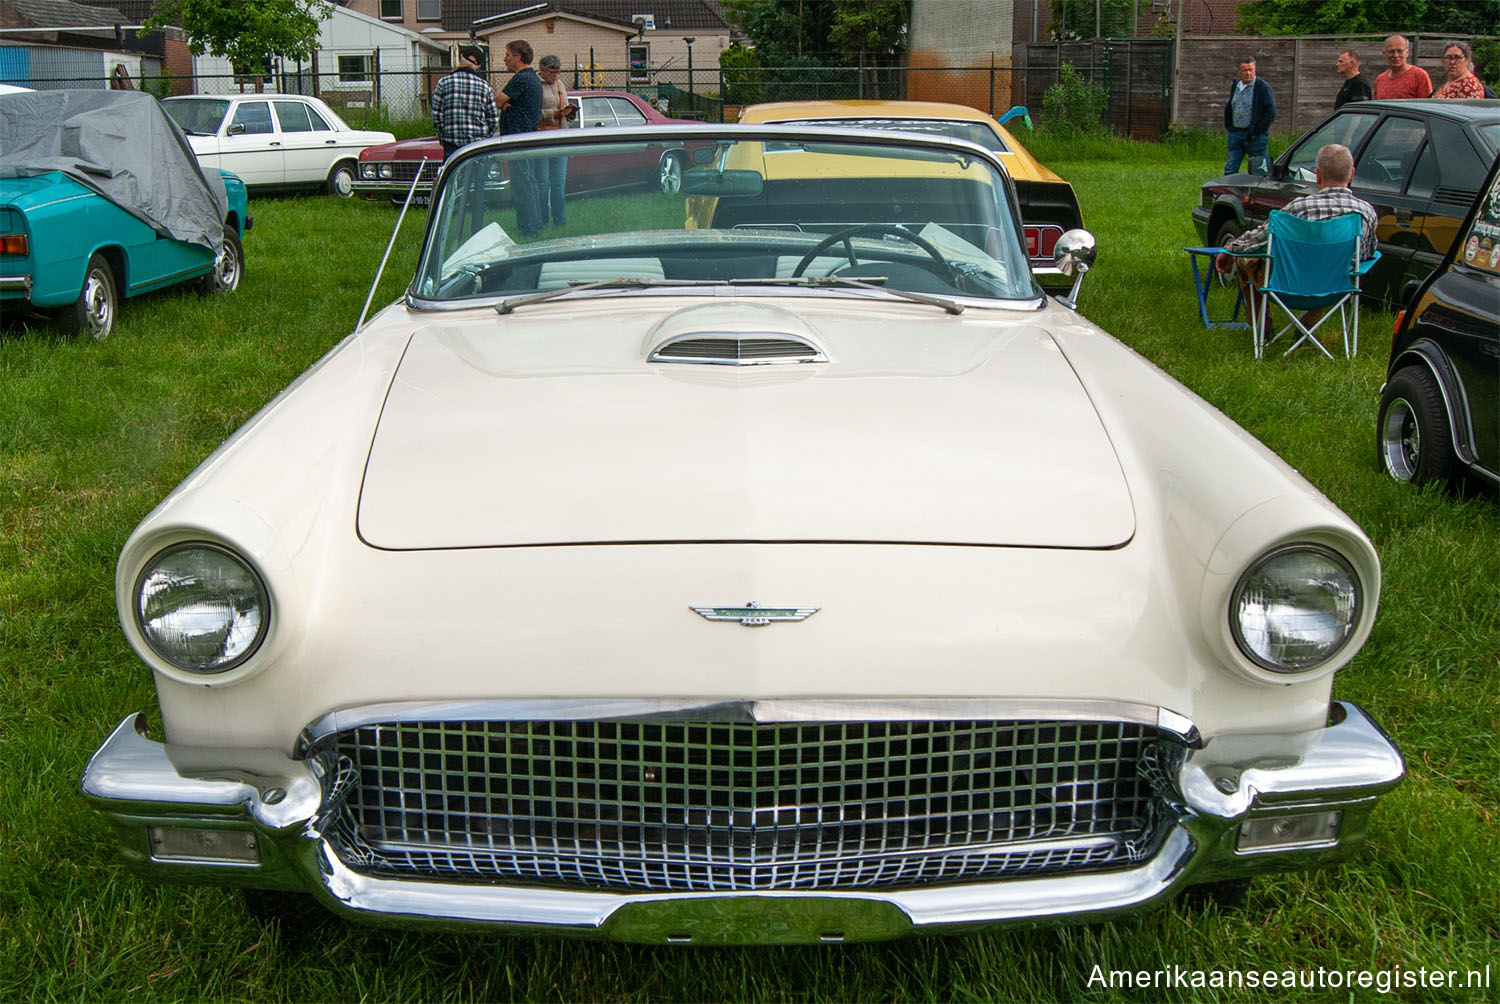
pixel 1074 255
pixel 235 129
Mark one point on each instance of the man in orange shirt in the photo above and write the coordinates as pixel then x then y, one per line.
pixel 1402 80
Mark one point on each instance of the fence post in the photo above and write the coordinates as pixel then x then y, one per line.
pixel 375 91
pixel 992 83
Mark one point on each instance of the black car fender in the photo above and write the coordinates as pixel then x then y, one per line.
pixel 1427 353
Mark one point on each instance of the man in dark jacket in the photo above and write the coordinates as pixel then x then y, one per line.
pixel 520 111
pixel 1356 87
pixel 1248 115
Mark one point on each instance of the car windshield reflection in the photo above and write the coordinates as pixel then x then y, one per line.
pixel 864 215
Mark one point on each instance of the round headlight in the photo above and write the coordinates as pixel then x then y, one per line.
pixel 1295 608
pixel 201 607
pixel 367 170
pixel 387 171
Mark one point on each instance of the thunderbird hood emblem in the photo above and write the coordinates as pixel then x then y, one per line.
pixel 752 614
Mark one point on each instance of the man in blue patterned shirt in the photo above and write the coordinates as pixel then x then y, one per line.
pixel 463 106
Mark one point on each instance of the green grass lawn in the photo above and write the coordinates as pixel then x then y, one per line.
pixel 93 434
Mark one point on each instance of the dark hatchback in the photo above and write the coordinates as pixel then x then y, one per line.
pixel 1421 164
pixel 1440 406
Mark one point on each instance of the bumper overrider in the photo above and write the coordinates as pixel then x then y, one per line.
pixel 1230 807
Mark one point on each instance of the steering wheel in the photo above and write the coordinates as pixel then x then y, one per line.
pixel 945 271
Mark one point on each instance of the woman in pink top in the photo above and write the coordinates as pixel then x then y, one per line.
pixel 1459 68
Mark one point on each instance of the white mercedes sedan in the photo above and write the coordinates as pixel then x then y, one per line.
pixel 770 561
pixel 274 141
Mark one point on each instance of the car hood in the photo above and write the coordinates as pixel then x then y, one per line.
pixel 553 426
pixel 405 149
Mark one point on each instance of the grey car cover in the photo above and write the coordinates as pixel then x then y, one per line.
pixel 123 146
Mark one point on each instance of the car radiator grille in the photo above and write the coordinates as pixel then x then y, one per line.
pixel 671 806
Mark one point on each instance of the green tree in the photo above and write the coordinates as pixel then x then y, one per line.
pixel 1075 19
pixel 246 32
pixel 823 32
pixel 744 80
pixel 785 32
pixel 869 31
pixel 1354 17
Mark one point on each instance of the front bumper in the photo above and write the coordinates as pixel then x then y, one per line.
pixel 178 808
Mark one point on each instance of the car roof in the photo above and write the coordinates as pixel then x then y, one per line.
pixel 1478 110
pixel 240 97
pixel 772 111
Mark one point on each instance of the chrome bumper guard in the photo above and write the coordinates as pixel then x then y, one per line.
pixel 269 807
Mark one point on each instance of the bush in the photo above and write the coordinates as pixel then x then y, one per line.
pixel 1073 106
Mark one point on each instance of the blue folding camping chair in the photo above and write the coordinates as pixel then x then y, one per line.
pixel 1311 264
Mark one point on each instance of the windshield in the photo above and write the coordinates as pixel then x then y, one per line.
pixel 852 213
pixel 196 116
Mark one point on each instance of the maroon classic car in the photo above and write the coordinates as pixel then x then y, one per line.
pixel 387 171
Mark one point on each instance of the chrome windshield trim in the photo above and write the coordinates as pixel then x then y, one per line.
pixel 764 712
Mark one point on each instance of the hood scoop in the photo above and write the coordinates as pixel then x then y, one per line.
pixel 725 348
pixel 734 334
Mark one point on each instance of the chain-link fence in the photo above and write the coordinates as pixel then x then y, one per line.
pixel 367 96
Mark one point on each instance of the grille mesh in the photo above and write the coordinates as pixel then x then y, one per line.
pixel 669 806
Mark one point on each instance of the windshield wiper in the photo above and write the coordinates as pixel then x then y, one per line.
pixel 628 282
pixel 869 282
pixel 618 282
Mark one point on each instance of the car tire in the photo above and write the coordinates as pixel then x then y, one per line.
pixel 1225 232
pixel 1414 434
pixel 669 173
pixel 229 266
pixel 98 302
pixel 341 179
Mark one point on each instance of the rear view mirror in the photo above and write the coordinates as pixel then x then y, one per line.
pixel 722 184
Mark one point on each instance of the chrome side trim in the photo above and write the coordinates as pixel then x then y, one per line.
pixel 685 710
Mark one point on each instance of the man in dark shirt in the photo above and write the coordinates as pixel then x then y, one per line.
pixel 1356 87
pixel 520 110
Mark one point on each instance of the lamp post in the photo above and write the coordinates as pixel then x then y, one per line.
pixel 690 39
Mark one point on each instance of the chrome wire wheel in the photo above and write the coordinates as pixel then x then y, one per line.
pixel 669 176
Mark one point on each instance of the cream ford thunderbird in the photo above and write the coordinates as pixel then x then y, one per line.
pixel 768 561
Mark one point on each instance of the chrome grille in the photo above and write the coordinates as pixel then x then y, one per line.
pixel 741 350
pixel 672 806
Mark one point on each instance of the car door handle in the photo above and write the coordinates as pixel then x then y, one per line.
pixel 1404 217
pixel 330 142
pixel 274 143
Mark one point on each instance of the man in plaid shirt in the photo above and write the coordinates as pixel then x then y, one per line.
pixel 1335 169
pixel 463 106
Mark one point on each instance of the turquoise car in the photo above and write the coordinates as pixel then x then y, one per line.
pixel 77 236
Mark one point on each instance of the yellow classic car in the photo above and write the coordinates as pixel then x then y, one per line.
pixel 1047 202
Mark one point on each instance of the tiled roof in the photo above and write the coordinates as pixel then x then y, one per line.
pixel 669 15
pixel 66 14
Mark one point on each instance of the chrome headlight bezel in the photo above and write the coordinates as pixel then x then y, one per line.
pixel 387 170
pixel 1346 624
pixel 252 586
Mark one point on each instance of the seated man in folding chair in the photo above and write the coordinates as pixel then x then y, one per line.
pixel 1335 169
